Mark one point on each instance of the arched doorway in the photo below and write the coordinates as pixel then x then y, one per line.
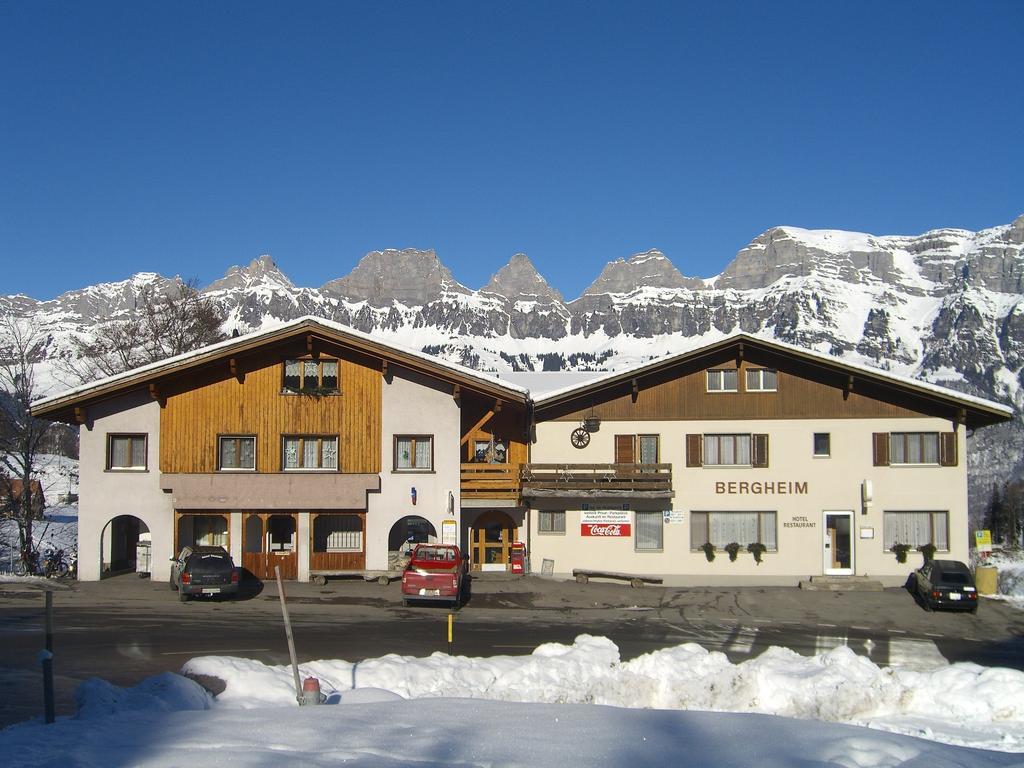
pixel 270 540
pixel 120 546
pixel 412 529
pixel 491 538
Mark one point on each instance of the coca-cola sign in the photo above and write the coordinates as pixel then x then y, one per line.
pixel 606 522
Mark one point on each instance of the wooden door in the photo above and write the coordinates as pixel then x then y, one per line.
pixel 492 537
pixel 269 540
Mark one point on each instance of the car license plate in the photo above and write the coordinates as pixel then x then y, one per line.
pixel 954 595
pixel 430 592
pixel 211 590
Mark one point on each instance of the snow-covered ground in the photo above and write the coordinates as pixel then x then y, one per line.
pixel 1010 564
pixel 564 705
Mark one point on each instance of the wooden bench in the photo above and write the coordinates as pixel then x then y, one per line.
pixel 584 575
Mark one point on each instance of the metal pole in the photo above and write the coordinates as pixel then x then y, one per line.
pixel 288 632
pixel 449 634
pixel 47 659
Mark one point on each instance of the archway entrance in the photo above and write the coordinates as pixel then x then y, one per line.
pixel 269 540
pixel 408 531
pixel 491 538
pixel 120 546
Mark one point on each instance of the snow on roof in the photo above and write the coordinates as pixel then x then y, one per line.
pixel 786 347
pixel 269 330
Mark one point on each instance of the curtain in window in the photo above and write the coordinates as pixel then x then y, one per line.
pixel 330 369
pixel 330 453
pixel 648 449
pixel 912 528
pixel 403 459
pixel 423 453
pixel 119 451
pixel 210 530
pixel 138 451
pixel 649 529
pixel 310 453
pixel 768 537
pixel 248 451
pixel 727 527
pixel 291 453
pixel 698 530
pixel 228 457
pixel 337 533
pixel 309 374
pixel 940 526
pixel 930 445
pixel 291 374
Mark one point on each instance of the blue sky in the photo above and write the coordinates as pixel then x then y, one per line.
pixel 186 137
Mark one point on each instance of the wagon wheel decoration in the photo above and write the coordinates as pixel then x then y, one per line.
pixel 580 438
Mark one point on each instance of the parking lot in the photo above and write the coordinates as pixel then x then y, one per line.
pixel 124 629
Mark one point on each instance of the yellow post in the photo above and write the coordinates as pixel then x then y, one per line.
pixel 449 634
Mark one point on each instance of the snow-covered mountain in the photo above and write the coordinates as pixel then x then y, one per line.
pixel 946 306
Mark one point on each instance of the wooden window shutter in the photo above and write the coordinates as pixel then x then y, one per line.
pixel 947 449
pixel 759 450
pixel 881 449
pixel 694 448
pixel 625 449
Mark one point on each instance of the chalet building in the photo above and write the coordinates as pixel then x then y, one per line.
pixel 321 450
pixel 309 447
pixel 821 465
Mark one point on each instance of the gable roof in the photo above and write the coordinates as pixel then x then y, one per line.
pixel 978 411
pixel 59 405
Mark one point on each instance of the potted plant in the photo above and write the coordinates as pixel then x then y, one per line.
pixel 709 551
pixel 756 548
pixel 733 548
pixel 928 550
pixel 900 550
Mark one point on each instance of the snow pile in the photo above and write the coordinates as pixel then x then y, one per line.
pixel 979 706
pixel 166 692
pixel 1010 565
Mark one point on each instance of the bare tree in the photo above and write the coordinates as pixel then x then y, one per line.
pixel 167 324
pixel 21 434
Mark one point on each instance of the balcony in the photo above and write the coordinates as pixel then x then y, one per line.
pixel 652 481
pixel 489 481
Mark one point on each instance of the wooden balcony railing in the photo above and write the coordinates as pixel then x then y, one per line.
pixel 595 480
pixel 490 481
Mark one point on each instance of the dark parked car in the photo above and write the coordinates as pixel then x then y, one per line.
pixel 946 584
pixel 203 571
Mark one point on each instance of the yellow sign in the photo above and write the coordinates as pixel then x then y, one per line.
pixel 983 541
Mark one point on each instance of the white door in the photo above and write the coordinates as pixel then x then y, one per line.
pixel 838 543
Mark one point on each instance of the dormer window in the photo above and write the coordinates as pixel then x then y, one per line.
pixel 311 376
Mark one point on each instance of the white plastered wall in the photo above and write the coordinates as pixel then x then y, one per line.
pixel 412 404
pixel 832 484
pixel 106 494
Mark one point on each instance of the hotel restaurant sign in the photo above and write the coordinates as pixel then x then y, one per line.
pixel 606 522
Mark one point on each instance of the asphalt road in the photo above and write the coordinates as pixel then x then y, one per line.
pixel 126 629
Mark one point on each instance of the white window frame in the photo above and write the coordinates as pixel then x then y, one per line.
pixel 719 374
pixel 660 527
pixel 933 515
pixel 814 446
pixel 905 437
pixel 220 454
pixel 760 377
pixel 763 516
pixel 131 437
pixel 553 515
pixel 414 468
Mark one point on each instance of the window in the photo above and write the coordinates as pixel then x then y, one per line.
pixel 126 452
pixel 721 528
pixel 414 453
pixel 237 452
pixel 551 522
pixel 762 380
pixel 914 448
pixel 337 533
pixel 727 450
pixel 917 529
pixel 822 444
pixel 650 528
pixel 627 447
pixel 313 376
pixel 722 380
pixel 310 452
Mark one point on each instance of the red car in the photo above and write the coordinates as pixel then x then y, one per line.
pixel 435 572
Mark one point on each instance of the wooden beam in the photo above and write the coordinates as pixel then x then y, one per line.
pixel 384 368
pixel 497 406
pixel 81 415
pixel 154 392
pixel 848 387
pixel 466 437
pixel 456 393
pixel 636 390
pixel 310 349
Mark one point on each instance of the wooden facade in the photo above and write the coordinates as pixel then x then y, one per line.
pixel 486 421
pixel 214 403
pixel 681 393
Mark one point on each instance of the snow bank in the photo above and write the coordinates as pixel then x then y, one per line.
pixel 166 692
pixel 959 704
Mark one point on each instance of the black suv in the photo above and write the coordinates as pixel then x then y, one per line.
pixel 946 584
pixel 203 571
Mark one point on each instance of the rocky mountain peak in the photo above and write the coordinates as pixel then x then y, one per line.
pixel 520 280
pixel 260 271
pixel 409 276
pixel 1016 233
pixel 649 269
